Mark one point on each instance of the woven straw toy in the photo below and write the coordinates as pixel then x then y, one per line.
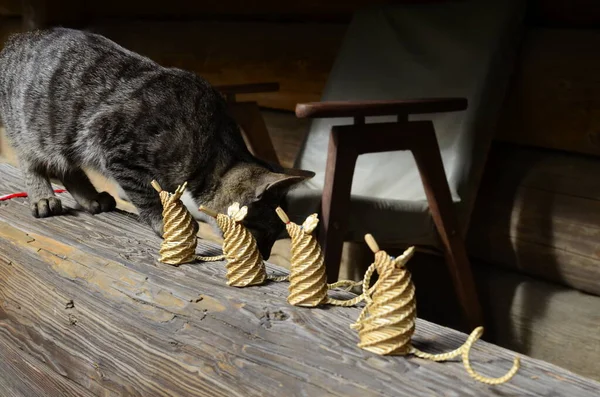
pixel 387 323
pixel 308 281
pixel 245 264
pixel 180 230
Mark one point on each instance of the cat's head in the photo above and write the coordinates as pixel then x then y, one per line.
pixel 262 191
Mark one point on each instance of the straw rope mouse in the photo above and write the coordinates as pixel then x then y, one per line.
pixel 308 281
pixel 387 322
pixel 245 265
pixel 180 230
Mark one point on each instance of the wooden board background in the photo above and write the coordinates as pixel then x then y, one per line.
pixel 297 55
pixel 564 13
pixel 554 100
pixel 11 8
pixel 538 212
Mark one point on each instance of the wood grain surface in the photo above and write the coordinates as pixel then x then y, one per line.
pixel 84 305
pixel 538 211
pixel 553 101
pixel 298 56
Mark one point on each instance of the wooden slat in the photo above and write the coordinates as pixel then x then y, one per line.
pixel 287 133
pixel 538 211
pixel 298 56
pixel 332 10
pixel 554 101
pixel 254 129
pixel 248 88
pixel 8 26
pixel 83 296
pixel 565 13
pixel 10 8
pixel 22 376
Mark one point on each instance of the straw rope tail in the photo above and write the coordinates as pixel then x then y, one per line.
pixel 387 322
pixel 308 281
pixel 245 265
pixel 180 229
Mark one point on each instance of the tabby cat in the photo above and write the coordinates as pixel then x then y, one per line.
pixel 72 100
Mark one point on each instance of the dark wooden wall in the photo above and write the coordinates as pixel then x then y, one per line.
pixel 552 101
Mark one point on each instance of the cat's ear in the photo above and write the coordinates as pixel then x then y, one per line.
pixel 298 172
pixel 281 182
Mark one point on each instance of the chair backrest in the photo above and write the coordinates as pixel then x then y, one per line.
pixel 448 49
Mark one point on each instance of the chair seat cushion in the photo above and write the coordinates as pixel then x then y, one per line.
pixel 408 222
pixel 448 49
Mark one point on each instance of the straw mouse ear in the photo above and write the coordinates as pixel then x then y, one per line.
pixel 370 240
pixel 156 186
pixel 310 223
pixel 405 257
pixel 282 215
pixel 237 213
pixel 281 182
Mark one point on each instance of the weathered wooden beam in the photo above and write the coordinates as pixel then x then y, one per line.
pixel 84 298
pixel 553 101
pixel 538 211
pixel 22 376
pixel 41 14
pixel 336 10
pixel 565 13
pixel 255 132
pixel 11 8
pixel 298 56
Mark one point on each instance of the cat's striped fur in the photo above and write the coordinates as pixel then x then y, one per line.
pixel 71 100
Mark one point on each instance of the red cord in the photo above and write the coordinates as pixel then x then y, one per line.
pixel 24 194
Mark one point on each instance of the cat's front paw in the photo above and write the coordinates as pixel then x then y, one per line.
pixel 103 202
pixel 46 207
pixel 106 202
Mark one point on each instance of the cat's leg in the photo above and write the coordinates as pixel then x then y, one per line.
pixel 149 207
pixel 86 195
pixel 145 199
pixel 42 201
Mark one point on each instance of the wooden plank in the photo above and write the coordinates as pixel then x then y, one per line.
pixel 8 26
pixel 565 13
pixel 40 14
pixel 546 320
pixel 313 9
pixel 72 12
pixel 333 10
pixel 287 133
pixel 10 8
pixel 549 170
pixel 538 212
pixel 298 56
pixel 22 376
pixel 83 296
pixel 554 101
pixel 255 132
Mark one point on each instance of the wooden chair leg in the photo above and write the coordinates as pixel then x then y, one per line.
pixel 335 204
pixel 256 135
pixel 431 169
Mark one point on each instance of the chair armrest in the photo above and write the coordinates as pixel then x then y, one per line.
pixel 252 88
pixel 379 108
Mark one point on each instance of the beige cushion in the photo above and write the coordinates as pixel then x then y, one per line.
pixel 462 49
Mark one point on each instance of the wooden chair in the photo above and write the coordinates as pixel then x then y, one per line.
pixel 408 170
pixel 248 116
pixel 348 142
